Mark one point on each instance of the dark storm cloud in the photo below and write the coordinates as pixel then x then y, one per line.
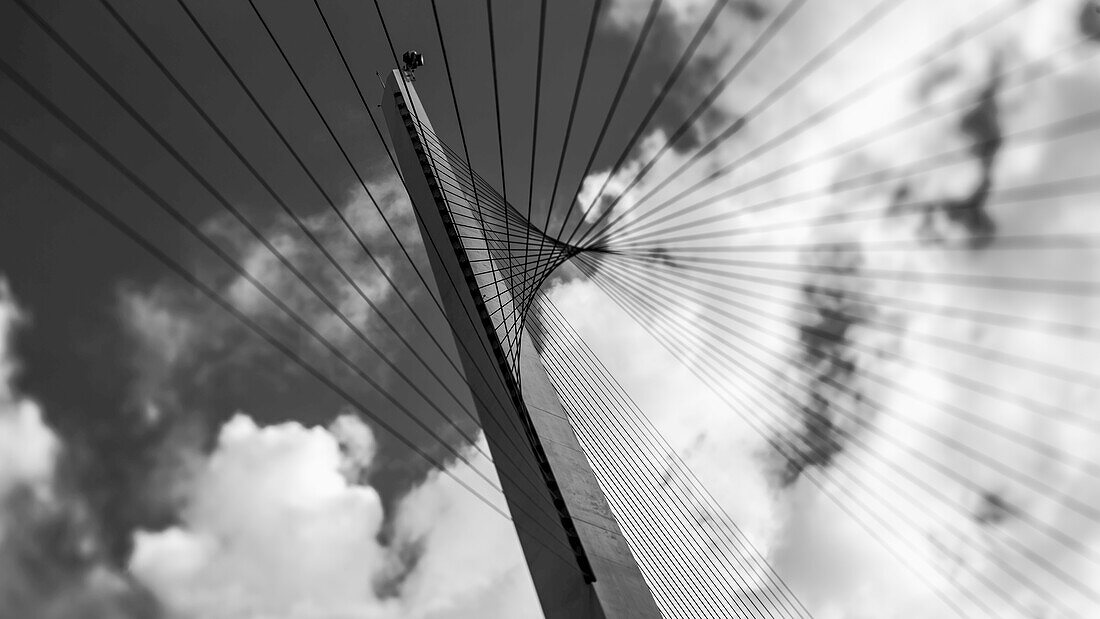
pixel 751 9
pixel 830 392
pixel 406 555
pixel 51 566
pixel 694 84
pixel 993 509
pixel 78 368
pixel 981 126
pixel 1088 20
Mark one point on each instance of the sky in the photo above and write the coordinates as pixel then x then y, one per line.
pixel 159 460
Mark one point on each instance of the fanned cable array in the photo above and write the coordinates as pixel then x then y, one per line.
pixel 508 256
pixel 697 560
pixel 694 557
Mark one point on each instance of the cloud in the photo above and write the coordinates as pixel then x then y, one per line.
pixel 364 271
pixel 51 563
pixel 28 447
pixel 275 527
pixel 271 526
pixel 612 190
pixel 880 364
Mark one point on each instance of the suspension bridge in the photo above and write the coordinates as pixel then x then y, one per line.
pixel 612 519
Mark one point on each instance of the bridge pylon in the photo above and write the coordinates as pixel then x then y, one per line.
pixel 488 262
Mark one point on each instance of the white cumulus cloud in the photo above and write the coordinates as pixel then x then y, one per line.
pixel 274 527
pixel 28 447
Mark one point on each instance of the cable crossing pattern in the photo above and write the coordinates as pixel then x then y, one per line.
pixel 735 255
